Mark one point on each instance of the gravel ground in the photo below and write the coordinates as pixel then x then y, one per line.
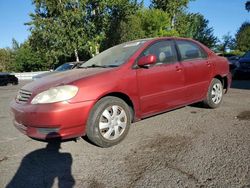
pixel 187 147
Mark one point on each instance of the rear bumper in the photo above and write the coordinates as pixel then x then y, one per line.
pixel 64 120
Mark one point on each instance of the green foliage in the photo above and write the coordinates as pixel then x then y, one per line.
pixel 119 13
pixel 68 27
pixel 26 60
pixel 172 7
pixel 243 37
pixel 131 29
pixel 5 59
pixel 156 23
pixel 146 23
pixel 186 24
pixel 235 52
pixel 195 26
pixel 21 58
pixel 68 30
pixel 57 28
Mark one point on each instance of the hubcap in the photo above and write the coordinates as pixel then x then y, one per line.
pixel 217 93
pixel 113 122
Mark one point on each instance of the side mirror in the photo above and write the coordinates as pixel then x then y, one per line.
pixel 147 60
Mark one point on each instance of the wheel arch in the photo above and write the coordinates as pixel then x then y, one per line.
pixel 125 98
pixel 224 80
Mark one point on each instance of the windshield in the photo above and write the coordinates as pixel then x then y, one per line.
pixel 115 56
pixel 247 55
pixel 64 67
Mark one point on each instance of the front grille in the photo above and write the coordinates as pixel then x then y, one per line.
pixel 23 96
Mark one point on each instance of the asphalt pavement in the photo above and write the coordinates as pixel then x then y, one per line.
pixel 188 147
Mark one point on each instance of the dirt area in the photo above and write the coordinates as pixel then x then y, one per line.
pixel 187 147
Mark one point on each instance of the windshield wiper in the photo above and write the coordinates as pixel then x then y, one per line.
pixel 91 66
pixel 98 66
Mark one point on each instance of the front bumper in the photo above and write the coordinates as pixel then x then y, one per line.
pixel 45 121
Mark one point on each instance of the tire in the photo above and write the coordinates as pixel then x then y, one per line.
pixel 108 122
pixel 215 94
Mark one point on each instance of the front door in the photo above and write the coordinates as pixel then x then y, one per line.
pixel 161 86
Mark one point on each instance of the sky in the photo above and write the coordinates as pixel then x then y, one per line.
pixel 223 15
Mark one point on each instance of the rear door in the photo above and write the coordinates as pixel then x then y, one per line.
pixel 197 68
pixel 161 86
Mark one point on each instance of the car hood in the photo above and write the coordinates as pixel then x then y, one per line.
pixel 62 78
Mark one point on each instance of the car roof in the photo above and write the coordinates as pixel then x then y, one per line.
pixel 159 38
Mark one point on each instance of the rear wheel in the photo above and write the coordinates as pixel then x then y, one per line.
pixel 214 94
pixel 109 122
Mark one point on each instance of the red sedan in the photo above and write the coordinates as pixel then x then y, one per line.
pixel 123 84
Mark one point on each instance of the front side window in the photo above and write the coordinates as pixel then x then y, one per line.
pixel 164 51
pixel 189 50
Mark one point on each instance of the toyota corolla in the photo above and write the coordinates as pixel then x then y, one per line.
pixel 123 84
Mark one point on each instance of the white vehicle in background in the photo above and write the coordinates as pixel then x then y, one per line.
pixel 61 68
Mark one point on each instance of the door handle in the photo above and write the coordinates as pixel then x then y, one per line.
pixel 178 69
pixel 208 64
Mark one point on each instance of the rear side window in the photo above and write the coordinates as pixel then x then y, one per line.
pixel 189 50
pixel 164 51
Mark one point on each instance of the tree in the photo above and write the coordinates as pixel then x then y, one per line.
pixel 172 7
pixel 26 60
pixel 73 27
pixel 248 6
pixel 131 29
pixel 21 58
pixel 5 59
pixel 227 43
pixel 243 37
pixel 57 28
pixel 194 25
pixel 145 24
pixel 119 13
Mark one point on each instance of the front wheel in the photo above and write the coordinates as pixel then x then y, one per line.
pixel 109 122
pixel 214 94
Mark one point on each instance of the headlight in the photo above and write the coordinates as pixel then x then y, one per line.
pixel 55 94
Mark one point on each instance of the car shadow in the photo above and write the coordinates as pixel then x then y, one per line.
pixel 43 167
pixel 241 84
